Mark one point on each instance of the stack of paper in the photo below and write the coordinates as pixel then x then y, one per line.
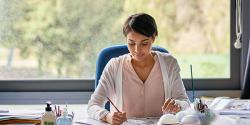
pixel 237 107
pixel 21 114
pixel 4 111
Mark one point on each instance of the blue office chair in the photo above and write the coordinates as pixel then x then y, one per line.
pixel 110 52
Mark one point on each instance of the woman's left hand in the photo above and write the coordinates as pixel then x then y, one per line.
pixel 170 106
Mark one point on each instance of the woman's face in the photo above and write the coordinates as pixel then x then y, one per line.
pixel 139 45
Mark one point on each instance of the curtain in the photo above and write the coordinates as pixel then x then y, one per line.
pixel 245 93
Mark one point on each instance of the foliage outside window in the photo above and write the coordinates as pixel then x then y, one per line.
pixel 47 39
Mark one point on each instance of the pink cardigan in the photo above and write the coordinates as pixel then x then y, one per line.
pixel 110 85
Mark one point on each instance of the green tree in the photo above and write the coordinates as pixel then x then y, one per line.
pixel 64 36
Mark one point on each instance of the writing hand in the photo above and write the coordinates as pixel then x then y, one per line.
pixel 170 106
pixel 116 118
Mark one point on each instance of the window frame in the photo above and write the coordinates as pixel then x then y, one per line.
pixel 86 85
pixel 232 83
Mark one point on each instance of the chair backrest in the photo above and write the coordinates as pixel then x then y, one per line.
pixel 110 52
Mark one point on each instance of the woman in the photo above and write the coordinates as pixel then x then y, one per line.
pixel 142 83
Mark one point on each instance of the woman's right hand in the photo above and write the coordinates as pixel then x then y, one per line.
pixel 116 118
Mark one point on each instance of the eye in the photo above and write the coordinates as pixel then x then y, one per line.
pixel 145 43
pixel 131 43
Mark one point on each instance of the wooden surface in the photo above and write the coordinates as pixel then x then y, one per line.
pixel 21 121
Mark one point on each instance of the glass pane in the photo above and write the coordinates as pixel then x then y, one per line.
pixel 47 39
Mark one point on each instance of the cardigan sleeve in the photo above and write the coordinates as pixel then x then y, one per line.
pixel 178 89
pixel 104 89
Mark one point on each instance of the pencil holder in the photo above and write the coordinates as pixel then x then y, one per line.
pixel 207 117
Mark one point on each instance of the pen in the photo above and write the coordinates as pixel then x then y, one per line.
pixel 192 81
pixel 58 111
pixel 55 109
pixel 113 104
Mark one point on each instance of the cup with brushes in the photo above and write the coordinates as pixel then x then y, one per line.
pixel 63 117
pixel 199 115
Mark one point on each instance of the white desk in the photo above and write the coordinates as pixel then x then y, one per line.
pixel 81 114
pixel 78 109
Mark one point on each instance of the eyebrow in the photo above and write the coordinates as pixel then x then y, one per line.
pixel 135 41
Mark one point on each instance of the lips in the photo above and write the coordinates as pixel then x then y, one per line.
pixel 139 55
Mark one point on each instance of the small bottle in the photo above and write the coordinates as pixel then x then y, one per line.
pixel 49 117
pixel 64 119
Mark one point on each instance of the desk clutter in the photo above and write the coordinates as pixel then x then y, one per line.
pixel 206 110
pixel 228 111
pixel 43 117
pixel 199 115
pixel 230 106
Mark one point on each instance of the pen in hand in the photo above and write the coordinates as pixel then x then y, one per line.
pixel 113 104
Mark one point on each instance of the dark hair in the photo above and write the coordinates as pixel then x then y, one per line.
pixel 141 23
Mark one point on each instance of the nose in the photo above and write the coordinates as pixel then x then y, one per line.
pixel 137 48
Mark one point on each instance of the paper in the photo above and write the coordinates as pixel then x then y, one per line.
pixel 237 107
pixel 234 112
pixel 139 122
pixel 220 103
pixel 89 121
pixel 19 117
pixel 4 111
pixel 142 121
pixel 134 121
pixel 21 114
pixel 240 104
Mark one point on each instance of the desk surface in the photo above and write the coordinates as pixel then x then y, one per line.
pixel 81 114
pixel 78 109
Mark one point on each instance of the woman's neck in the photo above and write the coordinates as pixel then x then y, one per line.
pixel 148 61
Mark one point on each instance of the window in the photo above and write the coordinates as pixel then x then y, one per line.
pixel 55 42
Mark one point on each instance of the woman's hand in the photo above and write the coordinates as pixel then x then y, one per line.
pixel 116 118
pixel 170 106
